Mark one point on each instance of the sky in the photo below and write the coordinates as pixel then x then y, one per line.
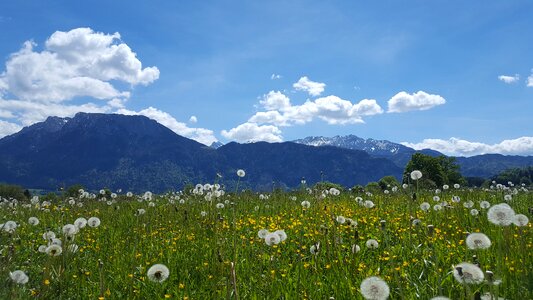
pixel 454 76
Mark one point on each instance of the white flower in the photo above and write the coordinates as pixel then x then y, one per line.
pixel 306 204
pixel 19 277
pixel 416 174
pixel 54 250
pixel 10 226
pixel 474 212
pixel 334 191
pixel 158 273
pixel 507 197
pixel 341 219
pixel 80 222
pixel 141 211
pixel 520 220
pixel 372 244
pixel 55 241
pixel 282 235
pixel 262 233
pixel 468 204
pixel 467 273
pixel 70 229
pixel 203 213
pixel 355 248
pixel 501 214
pixel 49 235
pixel 220 205
pixel 272 239
pixel 93 222
pixel 484 204
pixel 478 240
pixel 437 207
pixel 33 221
pixel 445 187
pixel 456 186
pixel 369 204
pixel 374 288
pixel 405 185
pixel 456 199
pixel 241 173
pixel 42 249
pixel 425 206
pixel 314 249
pixel 436 198
pixel 129 194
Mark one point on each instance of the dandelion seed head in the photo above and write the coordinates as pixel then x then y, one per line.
pixel 374 288
pixel 341 219
pixel 282 235
pixel 33 221
pixel 372 244
pixel 520 220
pixel 416 174
pixel 306 204
pixel 19 277
pixel 241 173
pixel 478 240
pixel 158 273
pixel 501 214
pixel 484 204
pixel 93 222
pixel 272 239
pixel 474 212
pixel 425 206
pixel 54 250
pixel 467 273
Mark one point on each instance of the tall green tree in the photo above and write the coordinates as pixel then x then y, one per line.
pixel 436 171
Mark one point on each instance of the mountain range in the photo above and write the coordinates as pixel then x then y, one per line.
pixel 136 153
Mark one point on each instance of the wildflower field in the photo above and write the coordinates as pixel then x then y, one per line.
pixel 306 244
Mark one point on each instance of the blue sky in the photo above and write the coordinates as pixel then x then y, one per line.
pixel 427 73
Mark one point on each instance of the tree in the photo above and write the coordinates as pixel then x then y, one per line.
pixel 387 182
pixel 12 191
pixel 436 171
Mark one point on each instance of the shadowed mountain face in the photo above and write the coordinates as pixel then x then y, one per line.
pixel 136 153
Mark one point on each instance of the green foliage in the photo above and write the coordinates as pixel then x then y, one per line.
pixel 373 187
pixel 436 171
pixel 12 191
pixel 387 182
pixel 73 191
pixel 326 185
pixel 516 176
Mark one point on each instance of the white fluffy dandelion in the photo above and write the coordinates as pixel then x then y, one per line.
pixel 272 239
pixel 241 173
pixel 425 206
pixel 54 250
pixel 372 244
pixel 437 207
pixel 355 248
pixel 520 220
pixel 282 234
pixel 368 204
pixel 478 240
pixel 501 214
pixel 374 288
pixel 474 212
pixel 93 222
pixel 467 273
pixel 484 204
pixel 416 174
pixel 33 221
pixel 220 205
pixel 19 277
pixel 341 219
pixel 262 233
pixel 158 273
pixel 70 229
pixel 306 204
pixel 10 226
pixel 80 222
pixel 436 198
pixel 468 204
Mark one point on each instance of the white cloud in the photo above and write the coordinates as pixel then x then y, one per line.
pixel 77 63
pixel 275 101
pixel 509 79
pixel 311 87
pixel 404 102
pixel 7 128
pixel 275 76
pixel 459 147
pixel 193 119
pixel 252 132
pixel 332 109
pixel 530 81
pixel 202 135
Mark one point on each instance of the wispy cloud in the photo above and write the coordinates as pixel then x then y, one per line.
pixel 460 147
pixel 509 79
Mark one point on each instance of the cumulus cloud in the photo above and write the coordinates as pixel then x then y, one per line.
pixel 78 64
pixel 404 102
pixel 193 119
pixel 252 132
pixel 202 135
pixel 459 147
pixel 332 109
pixel 530 81
pixel 509 79
pixel 311 87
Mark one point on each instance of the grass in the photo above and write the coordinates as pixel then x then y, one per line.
pixel 112 260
